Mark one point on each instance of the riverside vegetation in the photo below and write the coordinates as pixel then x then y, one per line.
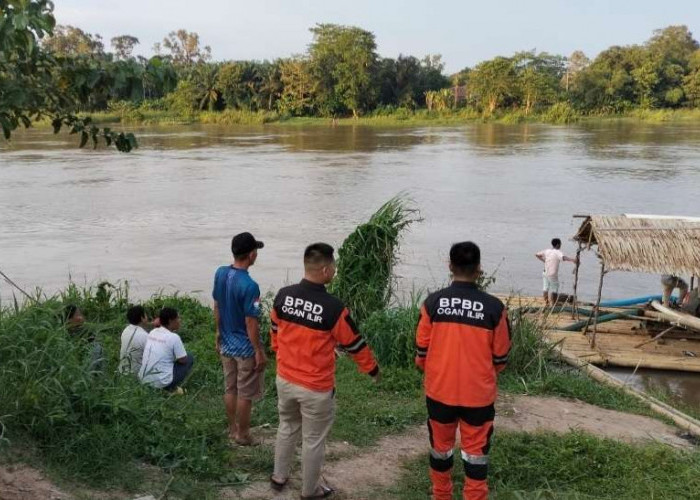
pixel 108 431
pixel 60 74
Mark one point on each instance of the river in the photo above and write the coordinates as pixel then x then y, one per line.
pixel 162 216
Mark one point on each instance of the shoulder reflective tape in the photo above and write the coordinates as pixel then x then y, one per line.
pixel 440 455
pixel 273 326
pixel 475 459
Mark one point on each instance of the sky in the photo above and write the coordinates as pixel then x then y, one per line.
pixel 463 31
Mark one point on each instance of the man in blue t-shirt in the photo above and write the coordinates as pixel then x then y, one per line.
pixel 237 312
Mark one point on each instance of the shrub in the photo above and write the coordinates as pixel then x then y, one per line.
pixel 561 113
pixel 97 424
pixel 367 257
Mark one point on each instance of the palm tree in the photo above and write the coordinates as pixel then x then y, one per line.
pixel 204 78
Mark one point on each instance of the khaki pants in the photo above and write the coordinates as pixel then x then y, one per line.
pixel 311 414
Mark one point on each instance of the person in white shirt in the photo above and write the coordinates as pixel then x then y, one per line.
pixel 134 339
pixel 165 363
pixel 552 257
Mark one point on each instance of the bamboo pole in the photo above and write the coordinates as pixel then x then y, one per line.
pixel 574 312
pixel 655 338
pixel 682 420
pixel 596 308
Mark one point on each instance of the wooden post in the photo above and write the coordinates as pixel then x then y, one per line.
pixel 574 310
pixel 596 309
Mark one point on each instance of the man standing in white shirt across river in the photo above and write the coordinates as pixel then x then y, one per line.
pixel 552 257
pixel 165 361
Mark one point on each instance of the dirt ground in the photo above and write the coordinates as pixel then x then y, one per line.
pixel 353 472
pixel 381 465
pixel 18 482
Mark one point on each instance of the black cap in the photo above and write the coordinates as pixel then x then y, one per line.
pixel 244 243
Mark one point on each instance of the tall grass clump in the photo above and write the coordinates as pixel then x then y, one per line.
pixel 99 425
pixel 367 257
pixel 561 113
pixel 392 333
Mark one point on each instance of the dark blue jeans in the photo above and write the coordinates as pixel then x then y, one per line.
pixel 180 372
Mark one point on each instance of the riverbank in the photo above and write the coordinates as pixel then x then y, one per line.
pixel 53 413
pixel 561 115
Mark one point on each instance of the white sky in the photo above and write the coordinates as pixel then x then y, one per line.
pixel 463 31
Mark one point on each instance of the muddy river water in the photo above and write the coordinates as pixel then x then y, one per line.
pixel 162 216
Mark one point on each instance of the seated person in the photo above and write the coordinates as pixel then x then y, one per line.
pixel 165 362
pixel 133 341
pixel 75 324
pixel 74 319
pixel 670 283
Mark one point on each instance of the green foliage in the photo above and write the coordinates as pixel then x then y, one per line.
pixel 49 399
pixel 493 82
pixel 298 96
pixel 654 75
pixel 35 84
pixel 238 117
pixel 392 334
pixel 561 113
pixel 342 61
pixel 56 73
pixel 47 393
pixel 367 257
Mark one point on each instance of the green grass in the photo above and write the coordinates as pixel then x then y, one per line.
pixel 99 429
pixel 573 466
pixel 367 257
pixel 560 114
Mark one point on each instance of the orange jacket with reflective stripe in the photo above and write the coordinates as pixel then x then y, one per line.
pixel 462 342
pixel 307 323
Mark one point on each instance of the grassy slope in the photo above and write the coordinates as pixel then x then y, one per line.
pixel 99 430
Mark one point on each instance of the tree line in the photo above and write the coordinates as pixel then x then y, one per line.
pixel 342 74
pixel 60 71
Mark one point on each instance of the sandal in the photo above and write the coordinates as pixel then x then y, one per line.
pixel 325 493
pixel 276 485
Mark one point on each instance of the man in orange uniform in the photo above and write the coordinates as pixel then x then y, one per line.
pixel 462 343
pixel 307 324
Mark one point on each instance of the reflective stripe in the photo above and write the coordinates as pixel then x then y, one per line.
pixel 355 347
pixel 441 455
pixel 475 459
pixel 500 360
pixel 421 351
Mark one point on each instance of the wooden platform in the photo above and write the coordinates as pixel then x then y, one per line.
pixel 617 340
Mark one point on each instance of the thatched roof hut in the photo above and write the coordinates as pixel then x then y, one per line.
pixel 644 243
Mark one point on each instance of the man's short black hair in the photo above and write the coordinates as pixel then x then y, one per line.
pixel 167 314
pixel 556 242
pixel 69 311
pixel 318 254
pixel 465 258
pixel 135 314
